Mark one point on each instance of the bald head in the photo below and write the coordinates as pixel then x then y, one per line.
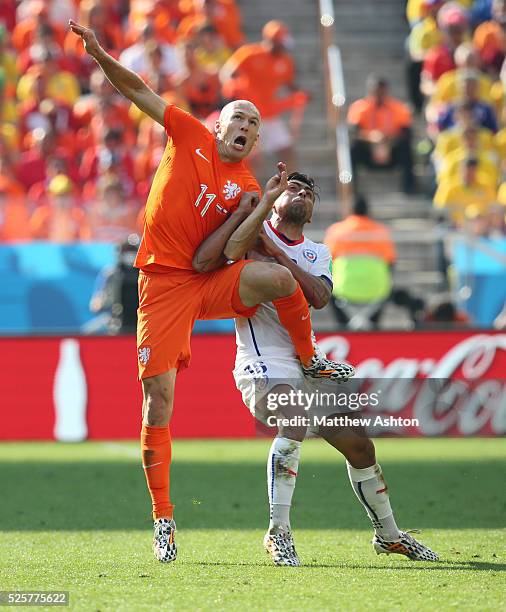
pixel 237 130
pixel 244 105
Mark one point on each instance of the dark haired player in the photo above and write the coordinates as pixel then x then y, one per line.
pixel 266 366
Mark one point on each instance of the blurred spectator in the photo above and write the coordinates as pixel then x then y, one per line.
pixel 93 14
pixel 424 35
pixel 210 51
pixel 112 217
pixel 451 164
pixel 58 84
pixel 38 15
pixel 162 15
pixel 201 89
pixel 362 254
pixel 453 139
pixel 8 14
pixel 14 216
pixel 483 113
pixel 37 194
pixel 381 134
pixel 9 133
pixel 489 39
pixel 111 151
pixel 8 184
pixel 136 56
pixel 154 74
pixel 60 220
pixel 467 189
pixel 31 166
pixel 58 11
pixel 115 296
pixel 453 23
pixel 7 64
pixel 449 87
pixel 260 72
pixel 223 15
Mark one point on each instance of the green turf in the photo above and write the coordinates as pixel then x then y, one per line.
pixel 75 517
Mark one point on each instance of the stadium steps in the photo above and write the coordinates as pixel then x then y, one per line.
pixel 316 151
pixel 371 37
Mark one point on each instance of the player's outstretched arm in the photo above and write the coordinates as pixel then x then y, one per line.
pixel 124 80
pixel 246 235
pixel 209 256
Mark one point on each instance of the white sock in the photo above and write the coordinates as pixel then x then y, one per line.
pixel 282 467
pixel 371 490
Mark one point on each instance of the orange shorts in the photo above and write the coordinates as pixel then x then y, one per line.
pixel 170 303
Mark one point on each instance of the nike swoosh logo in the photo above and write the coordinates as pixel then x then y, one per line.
pixel 304 318
pixel 200 154
pixel 152 465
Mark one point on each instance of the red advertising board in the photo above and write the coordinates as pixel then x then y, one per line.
pixel 87 387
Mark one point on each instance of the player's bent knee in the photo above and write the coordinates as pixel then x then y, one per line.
pixel 262 282
pixel 282 282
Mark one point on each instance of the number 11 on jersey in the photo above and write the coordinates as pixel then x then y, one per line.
pixel 210 197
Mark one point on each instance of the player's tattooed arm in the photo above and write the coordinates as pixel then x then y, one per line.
pixel 245 236
pixel 209 256
pixel 128 83
pixel 315 288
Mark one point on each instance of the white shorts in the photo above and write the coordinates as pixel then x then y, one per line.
pixel 274 136
pixel 256 378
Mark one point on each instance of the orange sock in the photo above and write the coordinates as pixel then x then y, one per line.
pixel 293 313
pixel 156 451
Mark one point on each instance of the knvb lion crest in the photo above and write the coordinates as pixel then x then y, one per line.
pixel 144 355
pixel 231 190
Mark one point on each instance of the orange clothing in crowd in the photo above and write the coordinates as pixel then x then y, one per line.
pixel 257 75
pixel 359 235
pixel 49 223
pixel 24 32
pixel 489 39
pixel 192 194
pixel 389 118
pixel 14 219
pixel 226 20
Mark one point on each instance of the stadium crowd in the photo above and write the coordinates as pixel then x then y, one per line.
pixel 456 76
pixel 76 159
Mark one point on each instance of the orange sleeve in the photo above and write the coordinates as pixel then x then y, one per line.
pixel 180 124
pixel 403 115
pixel 253 186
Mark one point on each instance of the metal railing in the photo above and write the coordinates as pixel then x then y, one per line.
pixel 336 100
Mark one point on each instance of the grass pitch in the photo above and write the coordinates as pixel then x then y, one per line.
pixel 76 518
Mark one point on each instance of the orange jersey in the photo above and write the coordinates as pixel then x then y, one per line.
pixel 192 194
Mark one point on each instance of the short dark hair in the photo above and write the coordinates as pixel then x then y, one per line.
pixel 305 180
pixel 360 206
pixel 374 80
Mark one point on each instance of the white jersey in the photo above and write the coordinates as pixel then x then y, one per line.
pixel 263 335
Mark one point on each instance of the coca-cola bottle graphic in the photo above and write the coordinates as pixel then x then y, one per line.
pixel 70 394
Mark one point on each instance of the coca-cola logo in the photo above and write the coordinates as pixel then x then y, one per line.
pixel 455 393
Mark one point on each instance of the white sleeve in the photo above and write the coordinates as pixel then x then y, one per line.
pixel 323 264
